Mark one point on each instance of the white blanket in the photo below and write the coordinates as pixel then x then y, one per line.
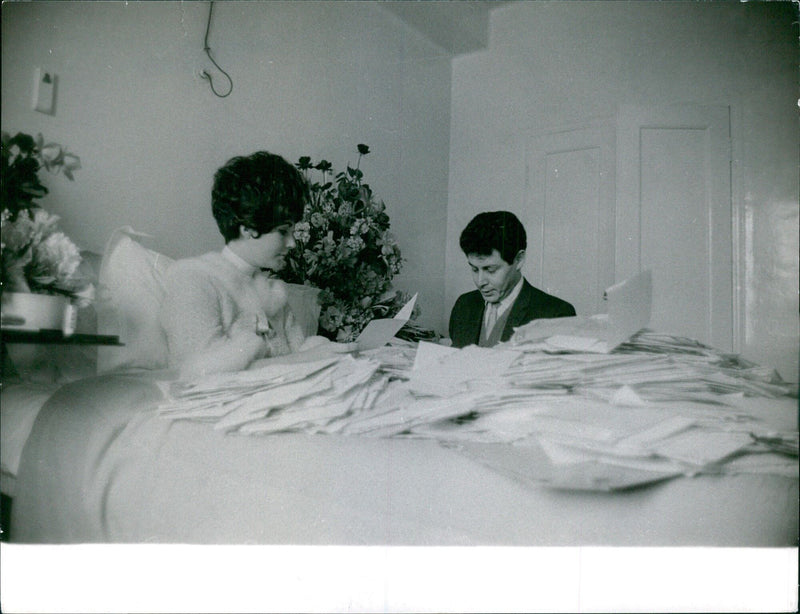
pixel 102 465
pixel 19 405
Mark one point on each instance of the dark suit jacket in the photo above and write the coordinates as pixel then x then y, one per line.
pixel 467 314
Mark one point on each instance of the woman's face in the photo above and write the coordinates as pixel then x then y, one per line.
pixel 269 250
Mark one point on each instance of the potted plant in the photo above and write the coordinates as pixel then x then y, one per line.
pixel 345 248
pixel 39 263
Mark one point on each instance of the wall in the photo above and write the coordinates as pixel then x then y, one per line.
pixel 310 78
pixel 552 64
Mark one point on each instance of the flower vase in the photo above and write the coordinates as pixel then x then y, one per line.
pixel 33 312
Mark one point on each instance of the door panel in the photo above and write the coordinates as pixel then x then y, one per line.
pixel 570 214
pixel 674 216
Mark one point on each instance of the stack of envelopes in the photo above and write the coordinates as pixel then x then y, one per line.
pixel 276 398
pixel 655 407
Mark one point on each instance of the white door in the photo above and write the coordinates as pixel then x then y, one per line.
pixel 569 214
pixel 674 216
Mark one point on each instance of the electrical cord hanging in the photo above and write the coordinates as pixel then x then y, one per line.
pixel 207 49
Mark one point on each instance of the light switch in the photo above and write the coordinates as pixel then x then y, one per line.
pixel 44 91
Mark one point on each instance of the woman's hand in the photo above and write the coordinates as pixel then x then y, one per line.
pixel 242 346
pixel 245 325
pixel 273 292
pixel 248 330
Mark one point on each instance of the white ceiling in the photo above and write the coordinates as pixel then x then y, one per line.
pixel 459 26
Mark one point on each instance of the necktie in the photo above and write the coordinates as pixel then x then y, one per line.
pixel 490 318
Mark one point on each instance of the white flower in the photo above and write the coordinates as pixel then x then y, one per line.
pixel 15 235
pixel 355 243
pixel 359 227
pixel 56 258
pixel 44 224
pixel 71 162
pixel 38 257
pixel 50 153
pixel 302 232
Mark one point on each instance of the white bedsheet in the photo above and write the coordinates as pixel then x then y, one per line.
pixel 119 472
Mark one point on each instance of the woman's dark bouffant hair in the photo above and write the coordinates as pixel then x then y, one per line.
pixel 500 230
pixel 261 192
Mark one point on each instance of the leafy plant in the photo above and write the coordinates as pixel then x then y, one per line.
pixel 345 248
pixel 34 255
pixel 22 159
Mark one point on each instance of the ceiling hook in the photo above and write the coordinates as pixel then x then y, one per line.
pixel 207 49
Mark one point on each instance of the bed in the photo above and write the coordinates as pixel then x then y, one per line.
pixel 101 465
pixel 660 442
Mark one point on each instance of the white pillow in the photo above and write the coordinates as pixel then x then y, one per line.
pixel 129 295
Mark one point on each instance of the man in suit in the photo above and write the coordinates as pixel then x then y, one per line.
pixel 494 243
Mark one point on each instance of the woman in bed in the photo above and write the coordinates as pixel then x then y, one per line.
pixel 225 311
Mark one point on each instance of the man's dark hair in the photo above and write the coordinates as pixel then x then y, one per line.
pixel 261 192
pixel 500 230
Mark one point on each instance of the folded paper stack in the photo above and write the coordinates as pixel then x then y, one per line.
pixel 654 407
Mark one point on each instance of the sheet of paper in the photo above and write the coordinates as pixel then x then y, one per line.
pixel 702 447
pixel 379 332
pixel 577 344
pixel 470 364
pixel 604 477
pixel 406 310
pixel 629 305
pixel 430 354
pixel 531 466
pixel 626 396
pixel 666 428
pixel 542 329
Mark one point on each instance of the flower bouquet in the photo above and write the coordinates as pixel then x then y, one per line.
pixel 345 248
pixel 36 257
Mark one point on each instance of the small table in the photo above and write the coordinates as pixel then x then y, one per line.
pixel 45 337
pixel 50 336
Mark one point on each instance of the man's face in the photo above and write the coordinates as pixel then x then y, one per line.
pixel 493 276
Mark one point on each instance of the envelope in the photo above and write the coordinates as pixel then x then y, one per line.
pixel 379 332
